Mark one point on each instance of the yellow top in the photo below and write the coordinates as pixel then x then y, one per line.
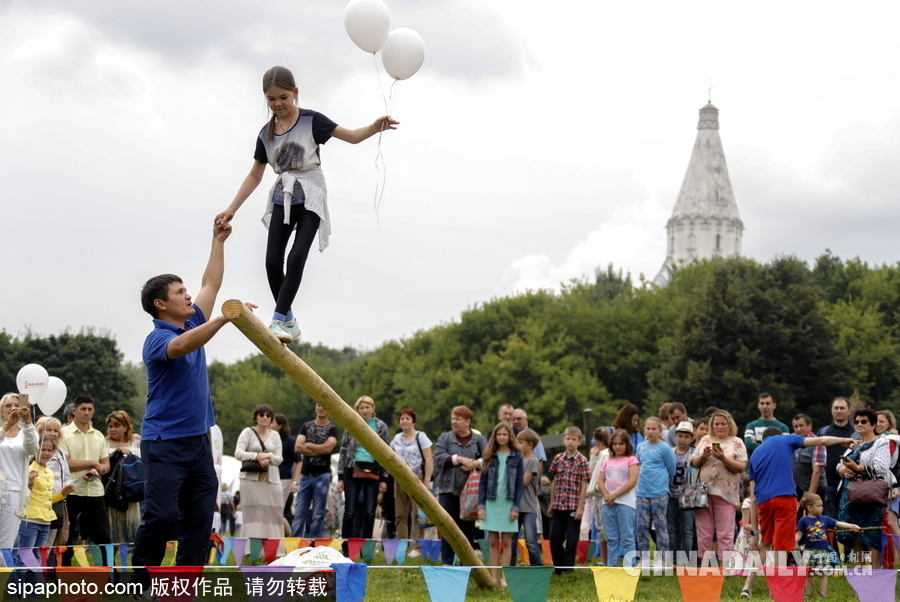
pixel 84 446
pixel 40 502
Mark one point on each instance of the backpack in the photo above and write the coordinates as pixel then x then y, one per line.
pixel 125 482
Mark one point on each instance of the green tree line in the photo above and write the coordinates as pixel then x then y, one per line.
pixel 722 332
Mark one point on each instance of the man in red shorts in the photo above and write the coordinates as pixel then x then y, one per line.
pixel 775 490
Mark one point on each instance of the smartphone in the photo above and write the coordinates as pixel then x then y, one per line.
pixel 717 444
pixel 91 476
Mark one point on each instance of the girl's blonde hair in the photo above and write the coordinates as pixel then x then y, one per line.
pixel 491 447
pixel 809 499
pixel 653 419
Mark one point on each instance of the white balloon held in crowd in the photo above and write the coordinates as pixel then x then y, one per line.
pixel 32 380
pixel 54 397
pixel 403 53
pixel 368 23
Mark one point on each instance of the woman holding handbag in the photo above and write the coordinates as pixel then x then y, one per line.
pixel 456 454
pixel 359 475
pixel 870 461
pixel 259 451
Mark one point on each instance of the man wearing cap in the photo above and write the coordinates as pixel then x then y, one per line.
pixel 680 522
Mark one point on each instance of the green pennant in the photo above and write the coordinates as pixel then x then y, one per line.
pixel 368 551
pixel 528 583
pixel 255 549
pixel 485 545
pixel 97 555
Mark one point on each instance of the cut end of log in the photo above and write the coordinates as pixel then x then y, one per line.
pixel 232 309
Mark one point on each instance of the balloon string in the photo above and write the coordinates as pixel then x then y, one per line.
pixel 380 166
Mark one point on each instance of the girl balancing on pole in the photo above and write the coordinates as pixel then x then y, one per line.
pixel 290 142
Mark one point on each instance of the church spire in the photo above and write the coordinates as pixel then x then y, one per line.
pixel 706 222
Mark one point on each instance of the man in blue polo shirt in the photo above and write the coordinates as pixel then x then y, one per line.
pixel 775 490
pixel 180 479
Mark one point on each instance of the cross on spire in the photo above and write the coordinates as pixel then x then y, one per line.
pixel 709 92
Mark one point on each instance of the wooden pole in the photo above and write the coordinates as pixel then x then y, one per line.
pixel 348 418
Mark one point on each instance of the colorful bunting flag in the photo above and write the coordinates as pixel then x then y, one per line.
pixel 390 549
pixel 239 545
pixel 581 551
pixel 400 555
pixel 256 545
pixel 786 582
pixel 368 551
pixel 79 557
pixel 354 545
pixel 485 546
pixel 350 581
pixel 270 548
pixel 446 583
pixel 291 544
pixel 528 583
pixel 524 559
pixel 8 557
pixel 96 555
pixel 310 543
pixel 614 584
pixel 75 576
pixel 58 552
pixel 26 555
pixel 545 550
pixel 872 586
pixel 701 585
pixel 44 551
pixel 174 547
pixel 335 544
pixel 431 549
pixel 110 554
pixel 222 556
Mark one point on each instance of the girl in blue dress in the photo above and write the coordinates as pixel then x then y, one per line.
pixel 499 493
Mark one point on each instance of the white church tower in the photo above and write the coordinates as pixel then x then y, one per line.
pixel 705 222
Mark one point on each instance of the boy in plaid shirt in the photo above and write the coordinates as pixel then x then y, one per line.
pixel 570 480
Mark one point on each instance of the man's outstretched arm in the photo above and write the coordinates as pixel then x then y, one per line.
pixel 215 270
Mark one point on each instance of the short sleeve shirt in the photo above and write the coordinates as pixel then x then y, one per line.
pixel 178 399
pixel 530 492
pixel 409 451
pixel 568 473
pixel 814 531
pixel 91 446
pixel 314 466
pixel 617 472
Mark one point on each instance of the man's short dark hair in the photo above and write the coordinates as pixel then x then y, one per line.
pixel 806 419
pixel 771 432
pixel 677 405
pixel 765 395
pixel 710 411
pixel 157 288
pixel 82 399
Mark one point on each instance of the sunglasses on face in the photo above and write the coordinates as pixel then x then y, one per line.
pixel 9 405
pixel 860 422
pixel 265 415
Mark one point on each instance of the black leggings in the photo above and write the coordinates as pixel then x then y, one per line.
pixel 284 286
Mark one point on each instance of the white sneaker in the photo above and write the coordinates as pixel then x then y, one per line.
pixel 414 554
pixel 292 328
pixel 277 328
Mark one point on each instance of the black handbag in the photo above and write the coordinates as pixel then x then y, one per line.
pixel 254 465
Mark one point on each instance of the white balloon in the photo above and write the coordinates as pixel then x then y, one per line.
pixel 367 23
pixel 54 396
pixel 403 53
pixel 32 379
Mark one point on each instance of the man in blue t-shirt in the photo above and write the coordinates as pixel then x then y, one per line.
pixel 181 484
pixel 775 490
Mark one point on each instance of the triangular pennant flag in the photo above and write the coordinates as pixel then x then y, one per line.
pixel 485 546
pixel 321 542
pixel 524 558
pixel 110 554
pixel 8 557
pixel 354 545
pixel 222 557
pixel 96 555
pixel 872 585
pixel 270 547
pixel 79 558
pixel 350 581
pixel 335 544
pixel 256 545
pixel 82 580
pixel 545 550
pixel 123 554
pixel 701 585
pixel 581 551
pixel 528 583
pixel 447 583
pixel 400 552
pixel 368 551
pixel 291 544
pixel 26 555
pixel 786 582
pixel 44 551
pixel 58 551
pixel 390 548
pixel 614 583
pixel 173 545
pixel 211 559
pixel 431 549
pixel 239 545
pixel 311 543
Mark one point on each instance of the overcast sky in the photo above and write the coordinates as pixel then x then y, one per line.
pixel 539 141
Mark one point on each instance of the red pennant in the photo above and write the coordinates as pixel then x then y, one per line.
pixel 786 582
pixel 307 543
pixel 58 551
pixel 45 554
pixel 581 551
pixel 354 546
pixel 699 585
pixel 270 549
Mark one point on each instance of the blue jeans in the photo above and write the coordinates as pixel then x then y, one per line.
pixel 528 524
pixel 312 490
pixel 681 527
pixel 31 535
pixel 353 525
pixel 618 521
pixel 652 510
